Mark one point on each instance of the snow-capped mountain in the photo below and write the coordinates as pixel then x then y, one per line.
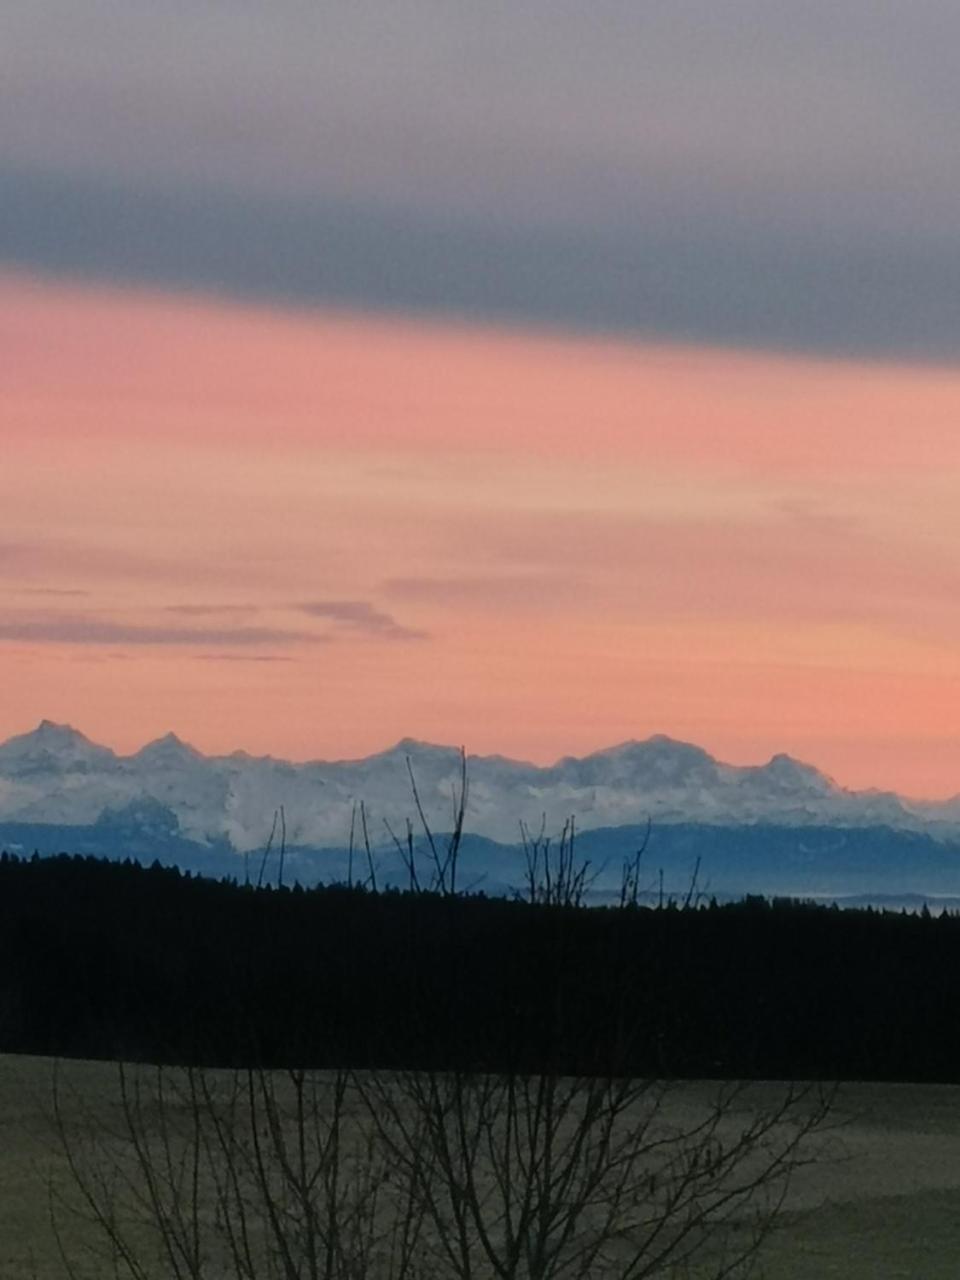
pixel 55 775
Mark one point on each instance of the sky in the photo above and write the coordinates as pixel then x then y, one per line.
pixel 528 377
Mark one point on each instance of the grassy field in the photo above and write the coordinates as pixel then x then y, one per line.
pixel 882 1200
pixel 886 1202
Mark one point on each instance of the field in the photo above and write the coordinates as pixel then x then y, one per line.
pixel 887 1204
pixel 882 1200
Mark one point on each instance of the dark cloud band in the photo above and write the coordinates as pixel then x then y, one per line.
pixel 718 276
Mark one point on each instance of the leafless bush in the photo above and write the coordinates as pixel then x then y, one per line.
pixel 543 1176
pixel 254 1175
pixel 513 1174
pixel 260 1175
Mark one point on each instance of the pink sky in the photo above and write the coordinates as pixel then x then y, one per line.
pixel 312 534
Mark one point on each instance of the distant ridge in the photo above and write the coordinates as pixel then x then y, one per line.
pixel 55 774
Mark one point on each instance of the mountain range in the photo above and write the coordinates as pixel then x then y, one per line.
pixel 59 790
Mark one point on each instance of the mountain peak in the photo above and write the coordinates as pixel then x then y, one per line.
pixel 787 771
pixel 663 744
pixel 52 746
pixel 416 747
pixel 658 761
pixel 52 731
pixel 784 763
pixel 168 748
pixel 51 736
pixel 656 744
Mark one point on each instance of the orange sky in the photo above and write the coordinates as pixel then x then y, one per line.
pixel 312 534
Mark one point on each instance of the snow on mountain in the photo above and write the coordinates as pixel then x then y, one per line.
pixel 164 753
pixel 56 775
pixel 52 748
pixel 191 785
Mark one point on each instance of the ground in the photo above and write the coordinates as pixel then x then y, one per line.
pixel 887 1204
pixel 881 1201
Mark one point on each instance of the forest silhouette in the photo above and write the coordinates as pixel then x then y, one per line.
pixel 104 959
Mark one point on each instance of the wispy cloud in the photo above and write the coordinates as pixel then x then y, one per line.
pixel 58 592
pixel 349 618
pixel 244 657
pixel 362 617
pixel 36 558
pixel 507 588
pixel 212 610
pixel 31 563
pixel 85 630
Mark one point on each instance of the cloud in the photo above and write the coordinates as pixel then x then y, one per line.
pixel 472 107
pixel 22 561
pixel 212 610
pixel 511 589
pixel 52 591
pixel 36 558
pixel 244 657
pixel 85 630
pixel 738 280
pixel 782 176
pixel 782 562
pixel 362 617
pixel 350 618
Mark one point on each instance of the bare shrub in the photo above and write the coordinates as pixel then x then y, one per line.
pixel 257 1175
pixel 522 1172
pixel 254 1174
pixel 542 1176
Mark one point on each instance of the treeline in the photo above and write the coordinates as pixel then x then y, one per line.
pixel 106 959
